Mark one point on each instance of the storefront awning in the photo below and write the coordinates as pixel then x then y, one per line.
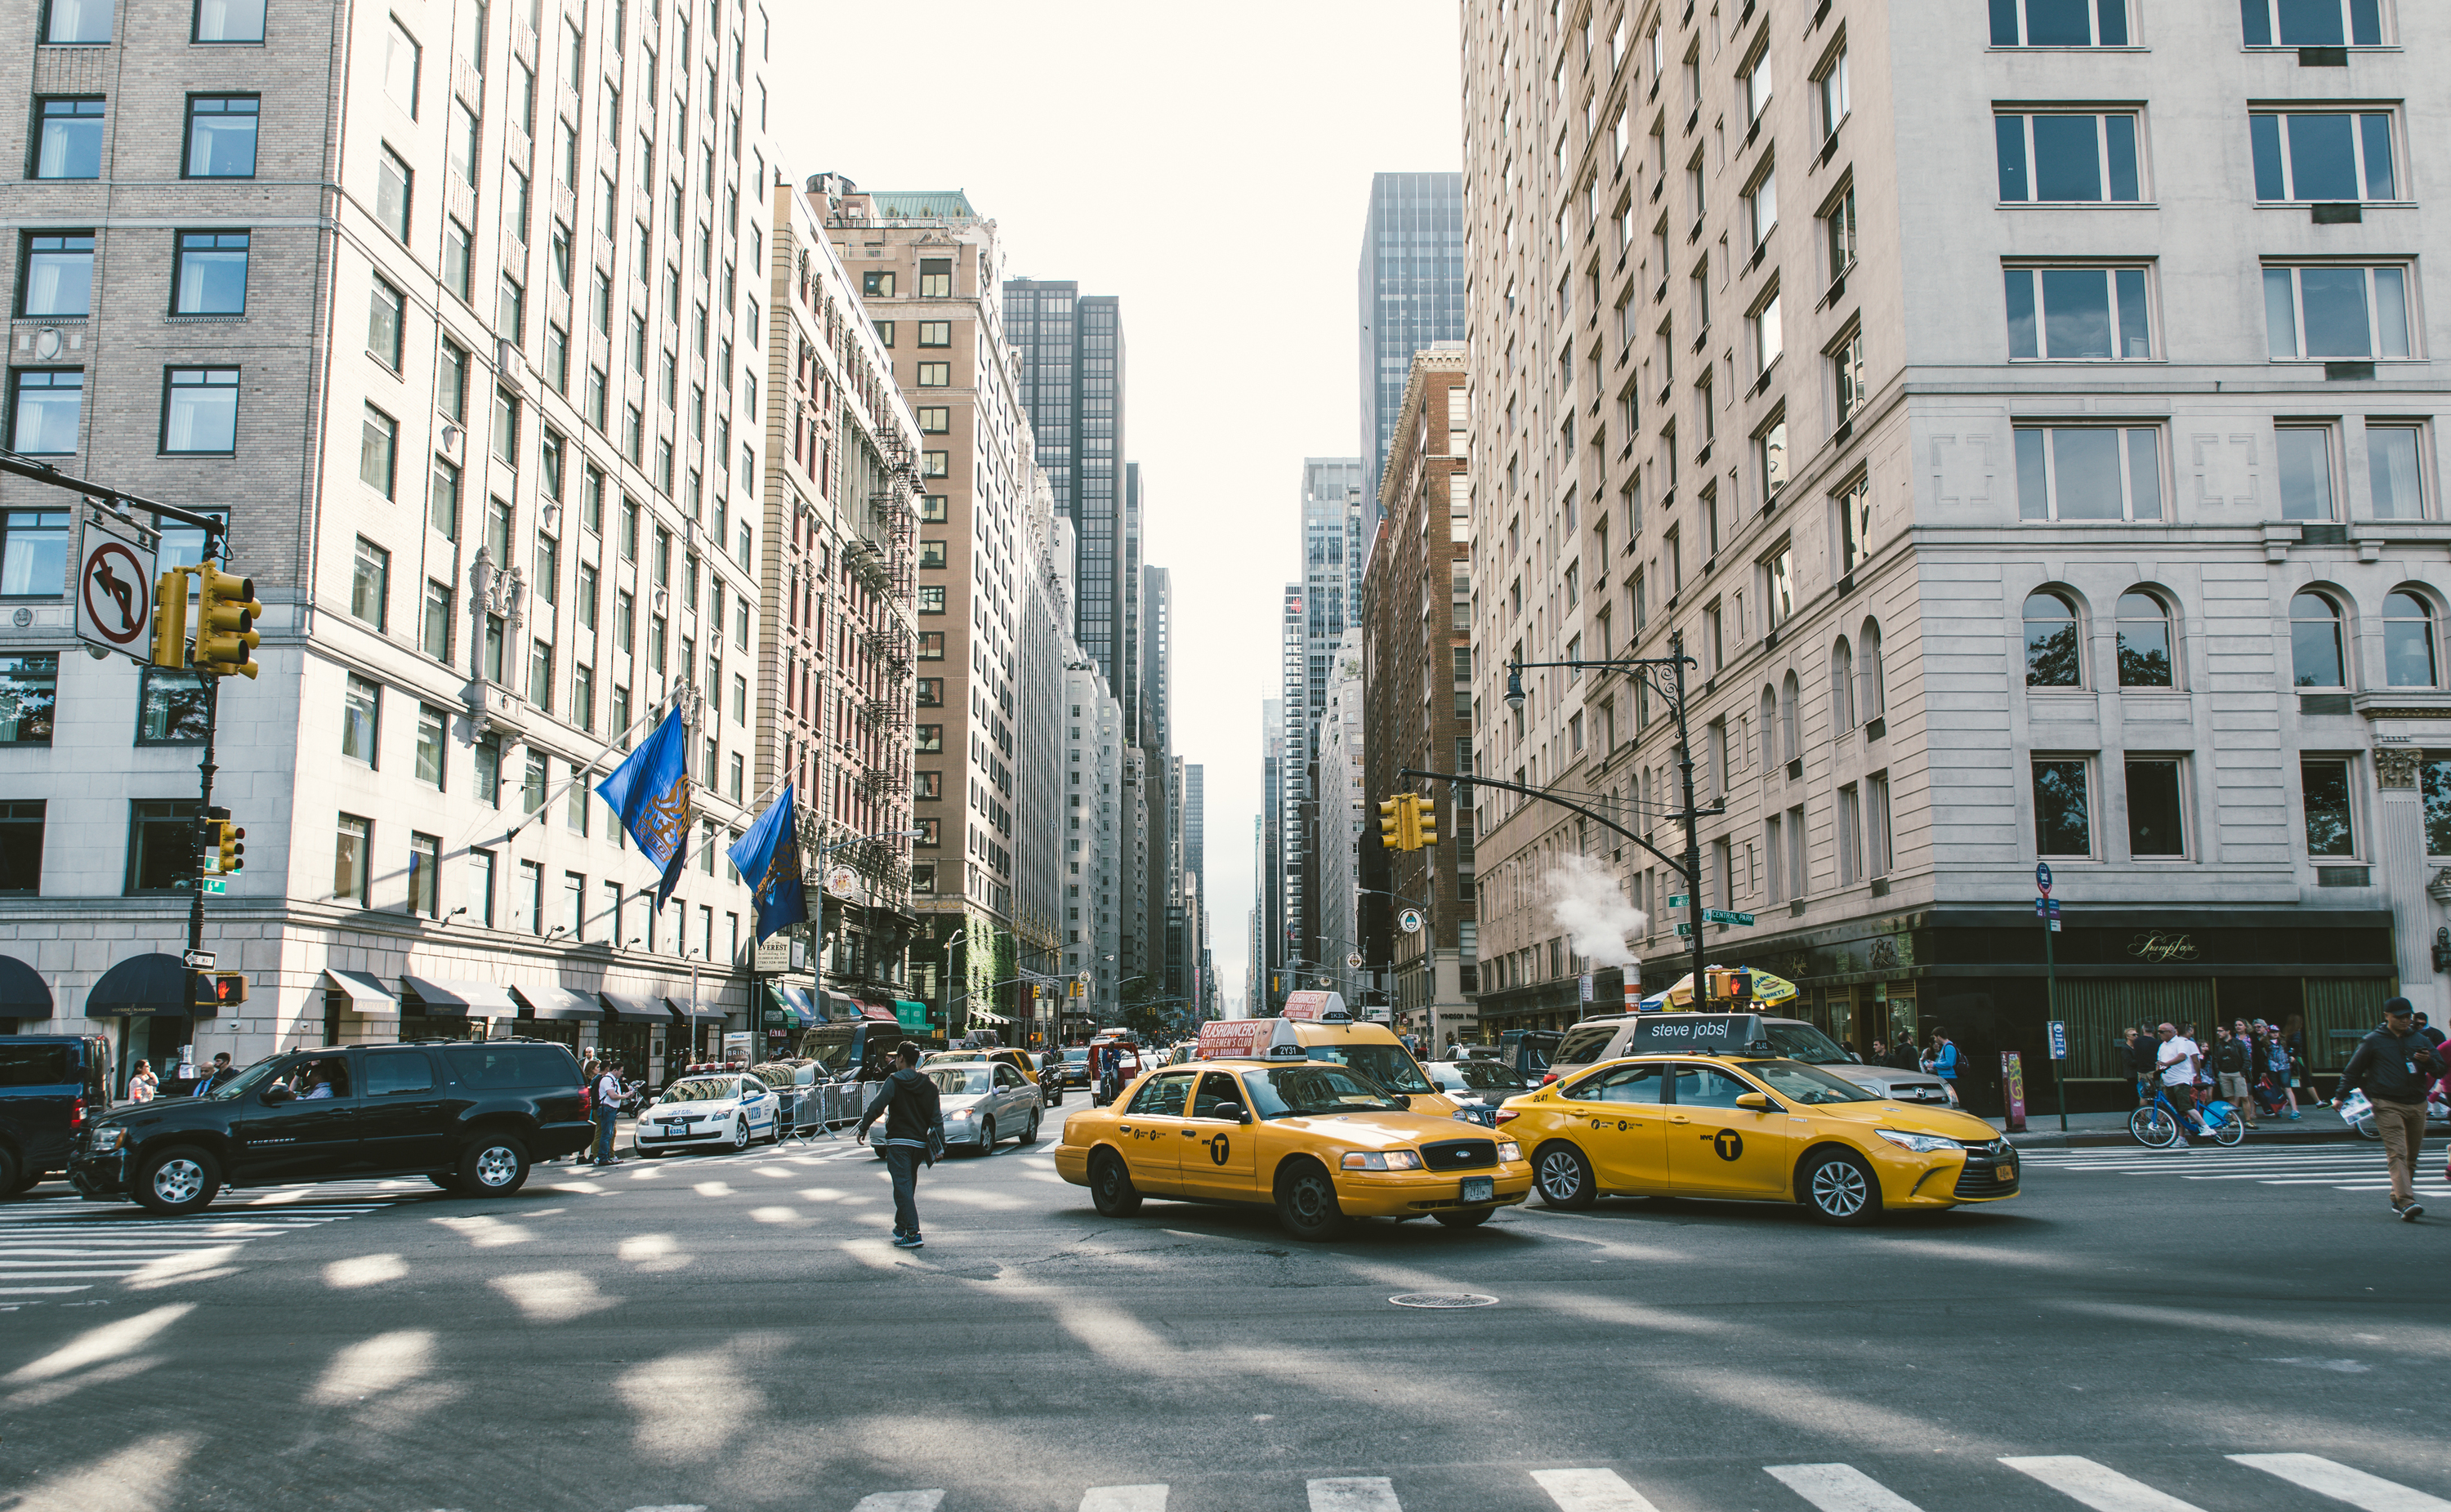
pixel 910 1015
pixel 23 992
pixel 980 1015
pixel 454 998
pixel 877 1011
pixel 633 1010
pixel 561 1003
pixel 705 1014
pixel 795 1002
pixel 366 995
pixel 147 984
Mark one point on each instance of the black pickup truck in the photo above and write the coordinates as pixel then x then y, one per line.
pixel 471 1114
pixel 51 1086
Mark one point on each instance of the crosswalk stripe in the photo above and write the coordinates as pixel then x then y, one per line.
pixel 1591 1491
pixel 1839 1488
pixel 1124 1498
pixel 900 1502
pixel 2370 1493
pixel 1355 1493
pixel 2098 1487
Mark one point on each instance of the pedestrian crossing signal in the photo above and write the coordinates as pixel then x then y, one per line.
pixel 221 989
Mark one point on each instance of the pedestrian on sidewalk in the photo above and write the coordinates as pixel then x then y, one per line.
pixel 1946 1064
pixel 607 1111
pixel 914 1131
pixel 2393 1067
pixel 142 1083
pixel 2231 1063
pixel 2139 1048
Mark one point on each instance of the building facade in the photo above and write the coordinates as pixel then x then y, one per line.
pixel 1410 293
pixel 1342 784
pixel 1096 844
pixel 1070 348
pixel 2003 525
pixel 1417 609
pixel 451 319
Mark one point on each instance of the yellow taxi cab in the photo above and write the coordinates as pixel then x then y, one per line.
pixel 1317 1140
pixel 1318 1026
pixel 1748 1125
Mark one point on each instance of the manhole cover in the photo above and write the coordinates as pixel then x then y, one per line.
pixel 1443 1299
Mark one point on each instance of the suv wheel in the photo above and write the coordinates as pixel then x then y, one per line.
pixel 178 1181
pixel 494 1166
pixel 13 1178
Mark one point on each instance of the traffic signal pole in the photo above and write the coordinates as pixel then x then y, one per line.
pixel 199 983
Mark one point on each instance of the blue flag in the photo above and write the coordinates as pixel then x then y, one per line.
pixel 651 793
pixel 769 857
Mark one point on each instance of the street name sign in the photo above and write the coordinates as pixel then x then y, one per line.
pixel 1725 916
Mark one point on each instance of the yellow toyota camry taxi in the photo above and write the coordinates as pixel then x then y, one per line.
pixel 1753 1127
pixel 1317 1140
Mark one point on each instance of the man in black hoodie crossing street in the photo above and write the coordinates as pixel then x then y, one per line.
pixel 2393 1067
pixel 913 1126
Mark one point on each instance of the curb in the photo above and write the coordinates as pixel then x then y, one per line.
pixel 2081 1139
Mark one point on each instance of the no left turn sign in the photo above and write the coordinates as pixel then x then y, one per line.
pixel 115 594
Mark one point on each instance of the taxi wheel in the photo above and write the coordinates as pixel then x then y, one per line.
pixel 1839 1188
pixel 1564 1177
pixel 1467 1218
pixel 1307 1203
pixel 1111 1186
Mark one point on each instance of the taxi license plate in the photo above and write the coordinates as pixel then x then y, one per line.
pixel 2005 1171
pixel 1480 1188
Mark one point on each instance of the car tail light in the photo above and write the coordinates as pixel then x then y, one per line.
pixel 76 1113
pixel 1505 1115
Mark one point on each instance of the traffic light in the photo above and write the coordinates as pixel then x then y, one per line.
pixel 1391 824
pixel 1426 821
pixel 220 989
pixel 170 619
pixel 225 611
pixel 223 839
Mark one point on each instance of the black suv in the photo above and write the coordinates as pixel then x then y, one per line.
pixel 51 1087
pixel 471 1114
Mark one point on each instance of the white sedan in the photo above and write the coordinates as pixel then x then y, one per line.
pixel 700 1113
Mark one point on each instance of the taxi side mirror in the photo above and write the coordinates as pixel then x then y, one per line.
pixel 1755 1102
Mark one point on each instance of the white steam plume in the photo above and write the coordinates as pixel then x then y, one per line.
pixel 1592 909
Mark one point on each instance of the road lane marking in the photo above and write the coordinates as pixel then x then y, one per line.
pixel 1591 1491
pixel 2098 1487
pixel 1356 1493
pixel 2370 1493
pixel 1839 1488
pixel 900 1502
pixel 1124 1498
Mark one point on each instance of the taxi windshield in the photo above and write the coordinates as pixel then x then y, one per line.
pixel 702 1090
pixel 1800 1083
pixel 960 1081
pixel 1292 1092
pixel 1387 1065
pixel 1804 1043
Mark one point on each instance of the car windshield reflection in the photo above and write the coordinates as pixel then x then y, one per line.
pixel 1806 1084
pixel 1387 1065
pixel 1294 1091
pixel 961 1081
pixel 249 1081
pixel 701 1089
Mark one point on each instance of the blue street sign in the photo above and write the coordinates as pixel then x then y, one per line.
pixel 2059 1039
pixel 2043 878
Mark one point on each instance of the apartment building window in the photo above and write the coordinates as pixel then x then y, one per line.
pixel 56 274
pixel 1854 505
pixel 491 667
pixel 2061 23
pixel 378 450
pixel 2303 454
pixel 931 692
pixel 935 463
pixel 170 708
pixel 934 333
pixel 2327 156
pixel 30 688
pixel 1879 845
pixel 2156 818
pixel 426 875
pixel 395 186
pixel 208 273
pixel 527 904
pixel 931 554
pixel 46 410
pixel 2144 640
pixel 1761 207
pixel 935 278
pixel 511 310
pixel 228 21
pixel 221 136
pixel 2067 159
pixel 200 411
pixel 2089 472
pixel 459 261
pixel 540 674
pixel 532 784
pixel 1830 94
pixel 69 23
pixel 2313 23
pixel 936 375
pixel 360 719
pixel 352 848
pixel 2323 788
pixel 370 584
pixel 2054 649
pixel 1845 356
pixel 435 636
pixel 2315 642
pixel 67 139
pixel 2061 314
pixel 1767 331
pixel 432 727
pixel 161 845
pixel 442 500
pixel 2396 475
pixel 2409 659
pixel 1778 588
pixel 387 311
pixel 932 509
pixel 931 645
pixel 1752 81
pixel 1851 835
pixel 2334 311
pixel 935 420
pixel 876 284
pixel 402 61
pixel 931 738
pixel 2062 819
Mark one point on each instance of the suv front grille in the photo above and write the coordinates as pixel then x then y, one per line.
pixel 1460 1154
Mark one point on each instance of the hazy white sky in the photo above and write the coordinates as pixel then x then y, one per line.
pixel 1208 164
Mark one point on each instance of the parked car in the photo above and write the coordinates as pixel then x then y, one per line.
pixel 1476 1087
pixel 1049 1082
pixel 471 1114
pixel 798 1085
pixel 51 1087
pixel 728 1110
pixel 983 1102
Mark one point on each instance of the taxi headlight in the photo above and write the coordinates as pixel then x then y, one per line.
pixel 1508 1150
pixel 107 1139
pixel 1374 1160
pixel 1920 1143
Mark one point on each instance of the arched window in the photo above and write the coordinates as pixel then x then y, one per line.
pixel 1770 730
pixel 2407 641
pixel 1842 687
pixel 2315 642
pixel 1790 734
pixel 1874 700
pixel 2144 641
pixel 2053 648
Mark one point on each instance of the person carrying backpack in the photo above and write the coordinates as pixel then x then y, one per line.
pixel 914 1131
pixel 2394 1065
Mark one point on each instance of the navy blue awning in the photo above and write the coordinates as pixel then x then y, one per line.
pixel 23 992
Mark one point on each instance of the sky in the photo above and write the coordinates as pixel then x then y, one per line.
pixel 1210 166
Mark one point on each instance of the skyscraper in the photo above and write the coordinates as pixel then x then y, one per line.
pixel 1411 277
pixel 1072 351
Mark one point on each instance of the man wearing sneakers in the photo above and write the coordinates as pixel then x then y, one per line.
pixel 2175 1065
pixel 2393 1067
pixel 913 1117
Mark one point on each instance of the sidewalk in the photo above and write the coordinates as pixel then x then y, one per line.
pixel 2315 1126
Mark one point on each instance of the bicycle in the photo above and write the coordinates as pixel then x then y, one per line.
pixel 2160 1125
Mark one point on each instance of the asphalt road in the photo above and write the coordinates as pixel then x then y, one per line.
pixel 734 1332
